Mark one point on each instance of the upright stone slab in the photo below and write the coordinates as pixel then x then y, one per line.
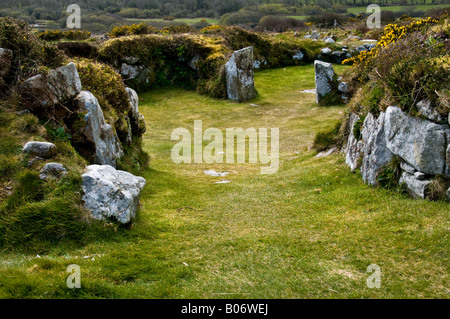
pixel 375 152
pixel 239 75
pixel 324 79
pixel 353 147
pixel 107 147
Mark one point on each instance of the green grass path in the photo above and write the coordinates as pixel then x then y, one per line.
pixel 308 231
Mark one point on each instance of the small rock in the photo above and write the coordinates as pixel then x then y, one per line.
pixel 298 56
pixel 41 149
pixel 343 87
pixel 419 176
pixel 52 171
pixel 329 40
pixel 6 57
pixel 212 172
pixel 407 168
pixel 34 160
pixel 326 153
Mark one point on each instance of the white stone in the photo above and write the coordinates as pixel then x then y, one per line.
pixel 353 147
pixel 375 152
pixel 239 75
pixel 416 188
pixel 111 194
pixel 324 77
pixel 422 144
pixel 41 149
pixel 53 171
pixel 97 131
pixel 58 86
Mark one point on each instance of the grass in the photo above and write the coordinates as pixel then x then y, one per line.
pixel 424 7
pixel 308 231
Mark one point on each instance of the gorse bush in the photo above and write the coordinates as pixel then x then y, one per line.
pixel 30 53
pixel 55 35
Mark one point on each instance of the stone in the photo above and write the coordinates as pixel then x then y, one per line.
pixel 326 153
pixel 425 109
pixel 329 40
pixel 343 87
pixel 448 193
pixel 361 48
pixel 130 59
pixel 137 120
pixel 407 168
pixel 47 90
pixel 6 57
pixel 41 149
pixel 298 55
pixel 447 171
pixel 415 187
pixel 326 51
pixel 324 79
pixel 130 72
pixel 375 152
pixel 35 160
pixel 419 176
pixel 420 143
pixel 110 194
pixel 194 61
pixel 212 172
pixel 52 171
pixel 353 147
pixel 239 75
pixel 315 35
pixel 106 145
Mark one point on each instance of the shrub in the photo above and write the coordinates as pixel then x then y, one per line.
pixel 105 83
pixel 55 35
pixel 279 24
pixel 78 49
pixel 389 175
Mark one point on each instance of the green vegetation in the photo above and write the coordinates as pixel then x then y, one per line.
pixel 309 231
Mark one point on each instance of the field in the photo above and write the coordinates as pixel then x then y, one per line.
pixel 308 231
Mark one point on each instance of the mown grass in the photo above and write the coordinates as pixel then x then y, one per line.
pixel 308 231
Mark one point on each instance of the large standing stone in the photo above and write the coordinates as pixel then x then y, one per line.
pixel 6 57
pixel 376 153
pixel 111 194
pixel 353 147
pixel 324 79
pixel 97 131
pixel 46 90
pixel 239 75
pixel 415 186
pixel 41 149
pixel 136 119
pixel 420 143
